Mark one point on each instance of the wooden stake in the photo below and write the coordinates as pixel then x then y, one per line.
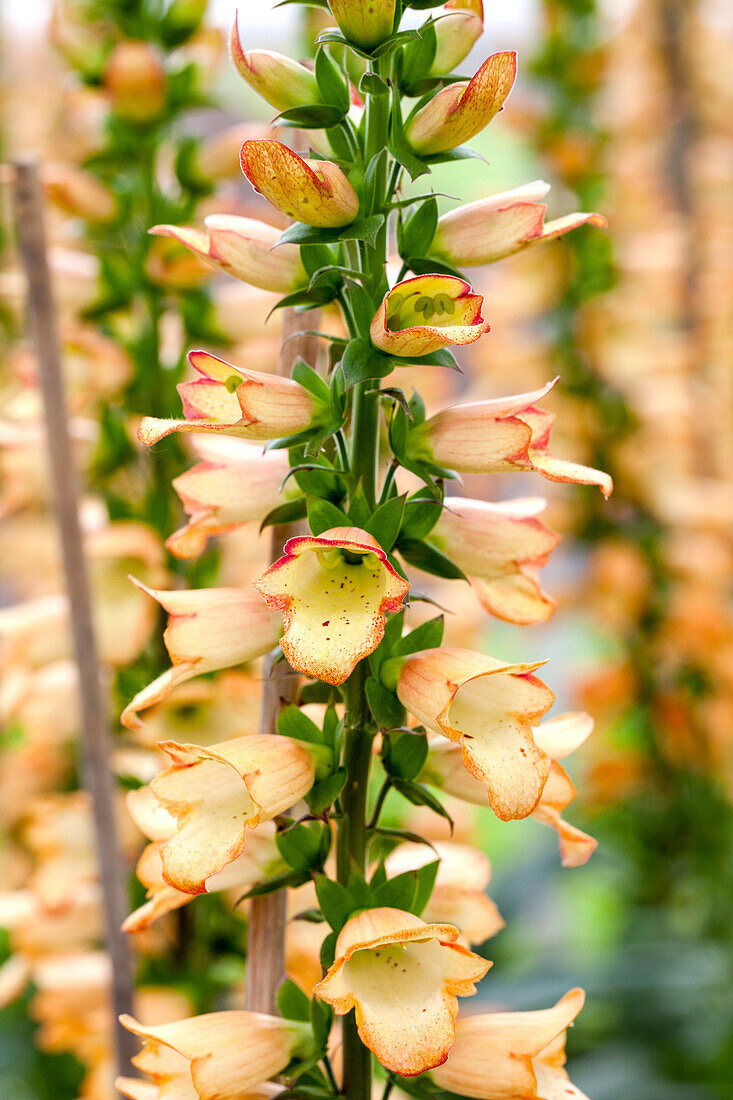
pixel 266 928
pixel 97 775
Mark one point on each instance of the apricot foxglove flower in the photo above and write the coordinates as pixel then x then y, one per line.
pixel 218 794
pixel 500 547
pixel 489 707
pixel 135 80
pixel 282 82
pixel 462 110
pixel 556 737
pixel 244 248
pixel 504 1055
pixel 420 315
pixel 457 30
pixel 77 192
pixel 234 483
pixel 221 1055
pixel 497 436
pixel 259 861
pixel 334 591
pixel 459 896
pixel 366 23
pixel 208 629
pixel 402 977
pixel 234 401
pixel 316 192
pixel 499 225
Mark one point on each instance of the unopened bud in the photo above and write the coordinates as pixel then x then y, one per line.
pixel 135 80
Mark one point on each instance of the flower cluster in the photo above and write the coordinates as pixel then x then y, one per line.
pixel 375 691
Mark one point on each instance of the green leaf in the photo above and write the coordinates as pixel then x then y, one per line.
pixel 291 722
pixel 422 512
pixel 332 84
pixel 440 358
pixel 386 521
pixel 396 893
pixel 358 888
pixel 306 377
pixel 290 512
pixel 321 1017
pixel 386 708
pixel 423 556
pixel 328 950
pixel 428 635
pixel 288 879
pixel 316 692
pixel 359 510
pixel 322 515
pixel 379 877
pixel 362 361
pixel 419 229
pixel 404 754
pixel 429 265
pixel 324 793
pixel 426 876
pixel 418 58
pixel 363 229
pixel 313 117
pixel 419 795
pixel 335 901
pixel 301 846
pixel 373 84
pixel 292 1002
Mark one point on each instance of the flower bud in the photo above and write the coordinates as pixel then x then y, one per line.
pixel 492 228
pixel 281 82
pixel 462 110
pixel 77 192
pixel 315 192
pixel 135 80
pixel 366 23
pixel 457 32
pixel 244 248
pixel 420 315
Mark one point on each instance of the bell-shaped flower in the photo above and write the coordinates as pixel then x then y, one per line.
pixel 506 1055
pixel 499 225
pixel 282 82
pixel 489 707
pixel 459 896
pixel 244 248
pixel 457 30
pixel 77 192
pixel 423 314
pixel 500 547
pixel 259 861
pixel 218 794
pixel 366 23
pixel 316 192
pixel 402 977
pixel 462 110
pixel 498 436
pixel 218 1056
pixel 234 401
pixel 334 591
pixel 556 737
pixel 208 629
pixel 135 80
pixel 234 483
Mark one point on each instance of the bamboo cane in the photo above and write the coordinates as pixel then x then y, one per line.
pixel 97 776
